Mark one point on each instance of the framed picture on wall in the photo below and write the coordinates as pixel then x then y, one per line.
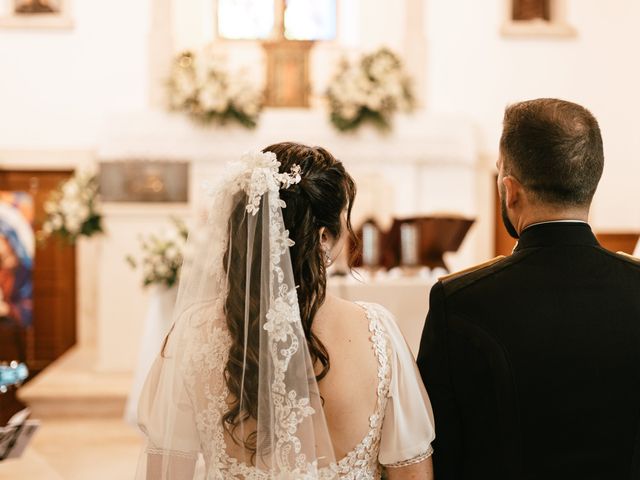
pixel 35 14
pixel 536 18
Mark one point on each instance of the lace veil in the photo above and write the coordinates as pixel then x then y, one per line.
pixel 237 299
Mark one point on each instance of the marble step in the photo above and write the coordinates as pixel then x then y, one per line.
pixel 72 388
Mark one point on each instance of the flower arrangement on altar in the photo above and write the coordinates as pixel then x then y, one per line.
pixel 162 255
pixel 371 90
pixel 72 210
pixel 201 86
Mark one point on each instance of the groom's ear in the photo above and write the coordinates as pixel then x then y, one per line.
pixel 513 191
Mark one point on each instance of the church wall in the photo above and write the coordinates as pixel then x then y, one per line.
pixel 473 70
pixel 57 86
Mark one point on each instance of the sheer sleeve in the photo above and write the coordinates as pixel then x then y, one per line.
pixel 172 446
pixel 408 427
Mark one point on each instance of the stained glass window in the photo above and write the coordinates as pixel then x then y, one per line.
pixel 255 19
pixel 246 19
pixel 310 19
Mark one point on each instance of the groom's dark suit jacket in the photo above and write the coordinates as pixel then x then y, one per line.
pixel 532 363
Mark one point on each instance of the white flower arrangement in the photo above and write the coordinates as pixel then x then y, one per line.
pixel 72 210
pixel 162 256
pixel 201 86
pixel 372 89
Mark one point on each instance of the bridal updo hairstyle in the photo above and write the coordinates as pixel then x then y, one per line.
pixel 324 192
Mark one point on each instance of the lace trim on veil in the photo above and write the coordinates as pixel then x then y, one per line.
pixel 209 341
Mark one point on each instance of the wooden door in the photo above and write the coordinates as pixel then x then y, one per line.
pixel 53 330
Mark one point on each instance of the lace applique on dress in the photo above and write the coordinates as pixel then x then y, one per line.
pixel 359 464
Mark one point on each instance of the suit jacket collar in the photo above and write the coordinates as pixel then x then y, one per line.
pixel 556 233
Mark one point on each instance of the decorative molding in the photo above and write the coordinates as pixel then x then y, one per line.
pixel 46 159
pixel 557 26
pixel 58 20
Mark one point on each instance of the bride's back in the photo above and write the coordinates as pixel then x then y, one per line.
pixel 349 389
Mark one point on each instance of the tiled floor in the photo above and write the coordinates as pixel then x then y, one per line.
pixel 83 449
pixel 82 434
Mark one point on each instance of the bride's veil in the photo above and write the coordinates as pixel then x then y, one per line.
pixel 234 385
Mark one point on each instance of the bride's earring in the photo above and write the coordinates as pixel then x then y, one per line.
pixel 327 257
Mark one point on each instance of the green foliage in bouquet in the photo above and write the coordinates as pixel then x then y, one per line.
pixel 203 88
pixel 369 91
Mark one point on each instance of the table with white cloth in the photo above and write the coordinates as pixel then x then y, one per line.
pixel 406 297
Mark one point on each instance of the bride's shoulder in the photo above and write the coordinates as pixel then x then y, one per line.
pixel 378 313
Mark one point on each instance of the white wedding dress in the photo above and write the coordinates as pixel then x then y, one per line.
pixel 237 321
pixel 400 428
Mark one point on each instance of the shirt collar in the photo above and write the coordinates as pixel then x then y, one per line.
pixel 563 232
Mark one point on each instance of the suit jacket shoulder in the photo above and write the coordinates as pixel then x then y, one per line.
pixel 458 280
pixel 627 258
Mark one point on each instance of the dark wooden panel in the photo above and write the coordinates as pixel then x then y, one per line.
pixel 618 241
pixel 54 304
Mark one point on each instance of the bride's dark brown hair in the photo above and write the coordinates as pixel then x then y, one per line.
pixel 324 192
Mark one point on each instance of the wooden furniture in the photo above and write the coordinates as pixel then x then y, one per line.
pixel 53 329
pixel 288 83
pixel 619 241
pixel 422 241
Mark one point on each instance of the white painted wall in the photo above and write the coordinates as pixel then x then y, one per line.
pixel 474 71
pixel 57 86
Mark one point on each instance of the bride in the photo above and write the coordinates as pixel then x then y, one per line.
pixel 265 375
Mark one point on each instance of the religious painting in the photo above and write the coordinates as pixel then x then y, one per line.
pixel 36 14
pixel 536 18
pixel 17 247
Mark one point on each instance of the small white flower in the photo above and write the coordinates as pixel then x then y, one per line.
pixel 49 207
pixel 56 222
pixel 70 188
pixel 172 253
pixel 162 270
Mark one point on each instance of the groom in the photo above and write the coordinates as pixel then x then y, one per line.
pixel 532 361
